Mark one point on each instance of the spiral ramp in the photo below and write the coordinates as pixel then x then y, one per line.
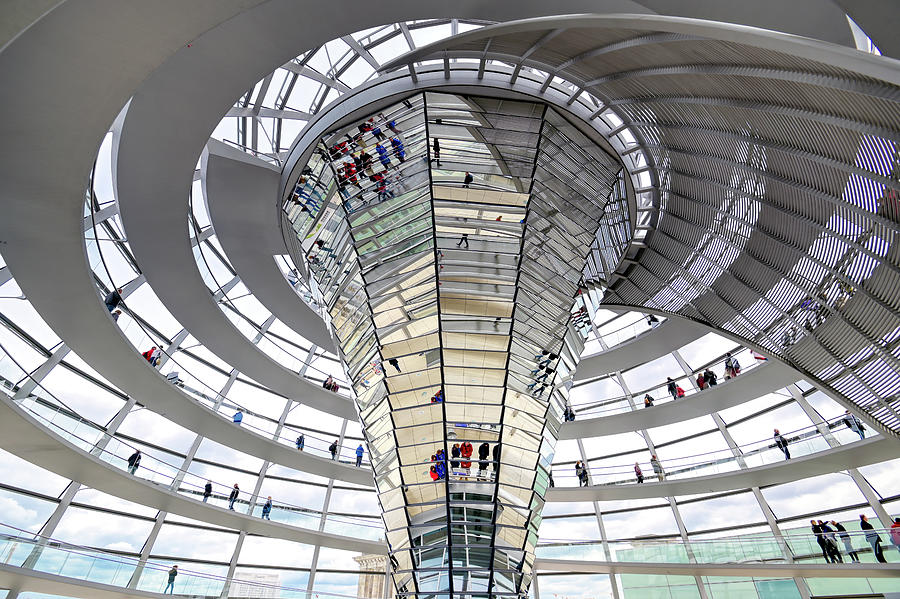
pixel 198 223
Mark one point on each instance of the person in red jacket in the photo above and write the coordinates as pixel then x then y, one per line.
pixel 465 451
pixel 895 533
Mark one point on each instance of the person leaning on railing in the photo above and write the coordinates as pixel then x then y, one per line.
pixel 170 587
pixel 872 537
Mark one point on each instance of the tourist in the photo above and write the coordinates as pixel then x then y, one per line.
pixel 854 424
pixel 872 537
pixel 170 587
pixel 782 444
pixel 484 450
pixel 895 533
pixel 359 455
pixel 233 496
pixel 113 298
pixel 822 542
pixel 657 468
pixel 267 508
pixel 134 461
pixel 436 150
pixel 672 388
pixel 845 538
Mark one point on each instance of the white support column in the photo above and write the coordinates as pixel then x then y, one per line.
pixel 113 425
pixel 101 215
pixel 864 487
pixel 172 347
pixel 185 465
pixel 315 558
pixel 742 464
pixel 232 565
pixel 73 487
pixel 145 550
pixel 132 285
pixel 220 294
pixel 41 372
pixel 676 513
pixel 604 541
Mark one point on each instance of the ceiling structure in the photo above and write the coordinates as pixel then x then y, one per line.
pixel 756 199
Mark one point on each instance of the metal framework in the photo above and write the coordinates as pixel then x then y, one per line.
pixel 772 174
pixel 789 243
pixel 452 346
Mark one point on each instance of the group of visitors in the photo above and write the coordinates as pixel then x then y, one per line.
pixel 309 192
pixel 705 379
pixel 461 460
pixel 331 384
pixel 674 389
pixel 581 472
pixel 657 470
pixel 544 372
pixel 334 449
pixel 438 470
pixel 827 534
pixel 152 356
pixel 353 162
pixel 826 537
pixel 581 320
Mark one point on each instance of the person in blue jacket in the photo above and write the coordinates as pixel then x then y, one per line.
pixel 359 455
pixel 383 156
pixel 398 148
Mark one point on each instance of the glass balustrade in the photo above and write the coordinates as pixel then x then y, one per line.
pixel 619 335
pixel 174 367
pixel 92 565
pixel 117 569
pixel 659 393
pixel 89 437
pixel 802 442
pixel 141 339
pixel 739 549
pixel 806 441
